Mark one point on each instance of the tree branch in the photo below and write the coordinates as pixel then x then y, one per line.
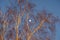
pixel 36 29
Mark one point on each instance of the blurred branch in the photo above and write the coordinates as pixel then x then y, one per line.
pixel 18 21
pixel 36 29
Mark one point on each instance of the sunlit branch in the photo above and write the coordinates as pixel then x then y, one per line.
pixel 18 20
pixel 36 29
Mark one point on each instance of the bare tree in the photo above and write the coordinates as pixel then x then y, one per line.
pixel 35 27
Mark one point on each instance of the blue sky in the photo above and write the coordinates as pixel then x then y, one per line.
pixel 52 6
